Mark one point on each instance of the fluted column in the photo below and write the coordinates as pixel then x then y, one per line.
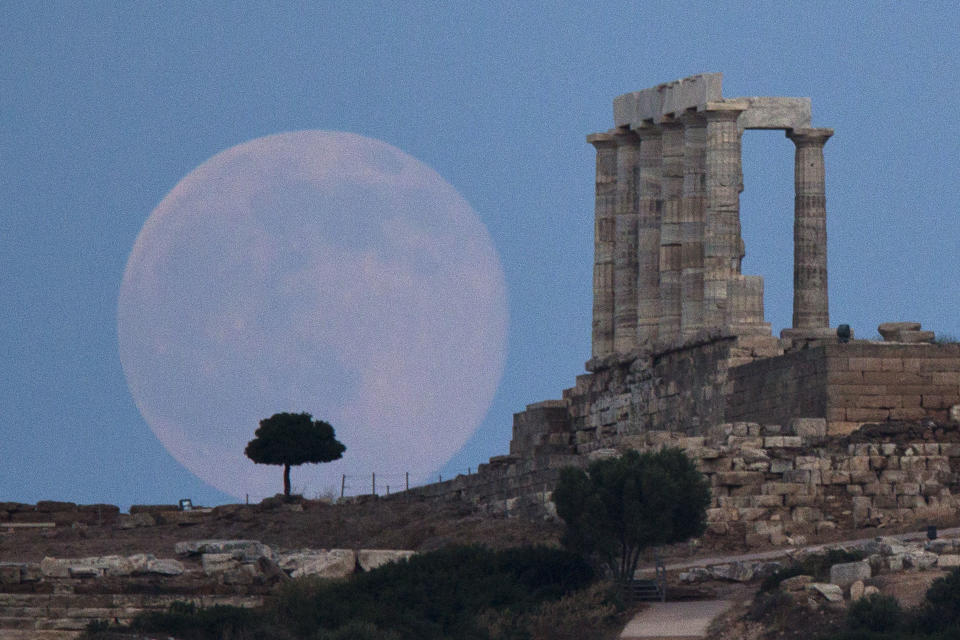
pixel 692 220
pixel 671 195
pixel 603 243
pixel 810 304
pixel 648 233
pixel 625 248
pixel 722 241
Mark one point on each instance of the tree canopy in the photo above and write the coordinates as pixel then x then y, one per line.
pixel 620 506
pixel 292 439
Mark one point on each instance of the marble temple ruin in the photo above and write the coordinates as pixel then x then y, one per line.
pixel 667 243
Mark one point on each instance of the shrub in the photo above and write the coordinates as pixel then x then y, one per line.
pixel 940 610
pixel 188 622
pixel 877 613
pixel 434 595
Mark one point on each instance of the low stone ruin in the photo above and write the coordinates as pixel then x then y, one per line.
pixel 64 594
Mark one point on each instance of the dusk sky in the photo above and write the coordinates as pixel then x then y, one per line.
pixel 105 107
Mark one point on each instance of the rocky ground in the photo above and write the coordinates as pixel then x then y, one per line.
pixel 414 524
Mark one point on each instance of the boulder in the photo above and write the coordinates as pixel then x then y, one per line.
pixel 830 592
pixel 140 561
pixel 845 574
pixel 920 559
pixel 332 563
pixel 165 567
pixel 796 583
pixel 373 558
pixel 870 590
pixel 734 572
pixel 856 590
pixel 694 575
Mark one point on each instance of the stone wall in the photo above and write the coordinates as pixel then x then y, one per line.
pixel 849 384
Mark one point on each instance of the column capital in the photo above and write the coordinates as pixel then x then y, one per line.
pixel 809 137
pixel 726 111
pixel 601 140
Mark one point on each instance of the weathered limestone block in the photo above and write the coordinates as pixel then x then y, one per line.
pixel 807 428
pixel 845 574
pixel 92 567
pixel 373 558
pixel 856 590
pixel 733 572
pixel 214 563
pixel 920 559
pixel 948 560
pixel 244 550
pixel 830 592
pixel 333 563
pixel 165 567
pixel 796 583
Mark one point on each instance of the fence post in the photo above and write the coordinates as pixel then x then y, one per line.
pixel 343 484
pixel 408 480
pixel 374 483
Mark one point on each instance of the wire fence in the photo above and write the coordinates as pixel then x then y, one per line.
pixel 383 484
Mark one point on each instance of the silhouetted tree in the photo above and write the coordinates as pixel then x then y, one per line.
pixel 621 506
pixel 292 439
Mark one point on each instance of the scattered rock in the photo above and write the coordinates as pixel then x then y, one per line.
pixel 856 590
pixel 243 550
pixel 333 563
pixel 830 592
pixel 845 574
pixel 796 583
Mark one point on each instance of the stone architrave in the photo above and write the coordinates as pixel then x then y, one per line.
pixel 671 195
pixel 692 219
pixel 625 245
pixel 648 233
pixel 723 246
pixel 603 246
pixel 810 304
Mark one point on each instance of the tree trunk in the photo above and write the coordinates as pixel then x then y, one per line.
pixel 286 479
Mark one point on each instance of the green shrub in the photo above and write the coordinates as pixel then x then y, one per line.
pixel 877 613
pixel 188 622
pixel 434 595
pixel 940 610
pixel 356 630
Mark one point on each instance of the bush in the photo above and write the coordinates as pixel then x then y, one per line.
pixel 188 622
pixel 434 595
pixel 940 610
pixel 877 613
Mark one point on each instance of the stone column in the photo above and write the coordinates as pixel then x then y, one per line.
pixel 671 194
pixel 692 218
pixel 810 304
pixel 603 243
pixel 722 240
pixel 625 247
pixel 648 233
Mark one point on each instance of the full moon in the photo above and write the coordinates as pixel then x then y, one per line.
pixel 320 272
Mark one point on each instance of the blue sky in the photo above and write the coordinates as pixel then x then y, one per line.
pixel 104 107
